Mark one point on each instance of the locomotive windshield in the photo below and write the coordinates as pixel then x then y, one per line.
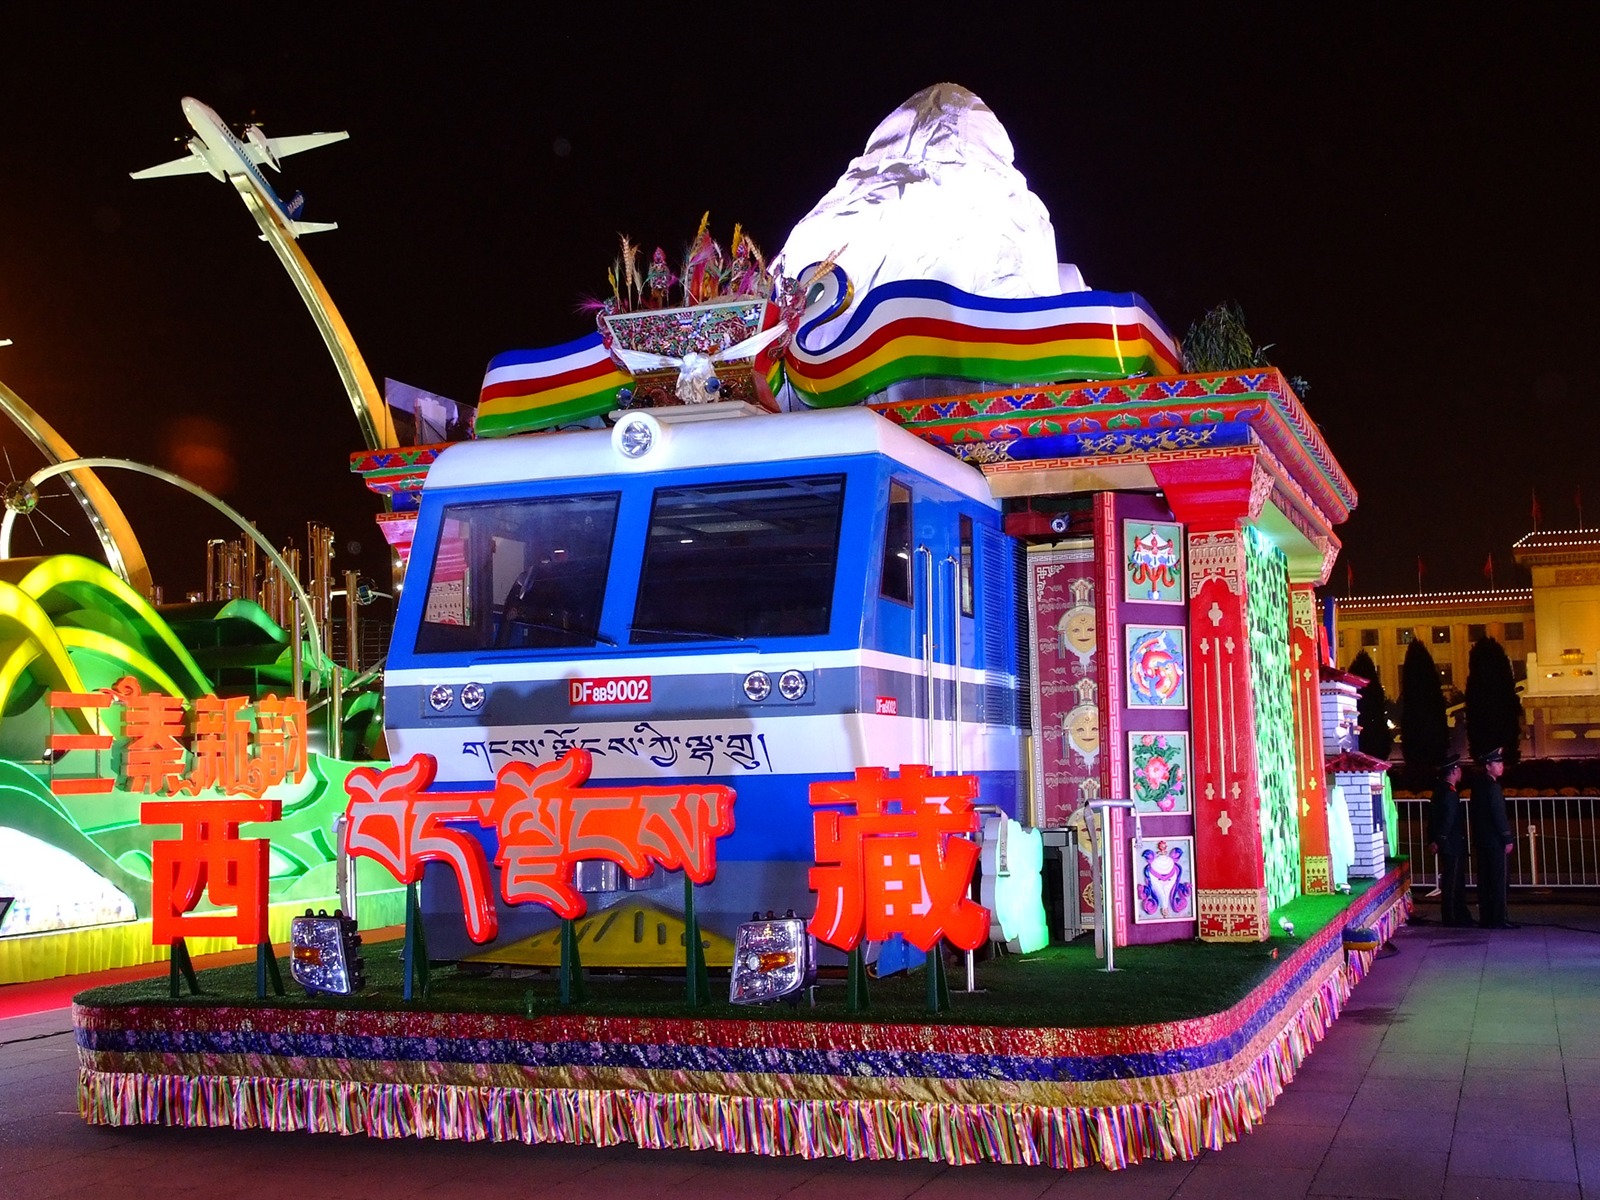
pixel 519 573
pixel 740 560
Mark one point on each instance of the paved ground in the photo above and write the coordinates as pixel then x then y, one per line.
pixel 1468 1064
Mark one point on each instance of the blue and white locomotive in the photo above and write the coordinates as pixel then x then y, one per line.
pixel 706 594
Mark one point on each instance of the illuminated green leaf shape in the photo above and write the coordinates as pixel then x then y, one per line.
pixel 30 644
pixel 75 590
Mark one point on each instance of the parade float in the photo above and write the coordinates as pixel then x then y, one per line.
pixel 850 588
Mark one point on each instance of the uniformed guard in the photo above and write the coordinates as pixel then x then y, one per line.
pixel 1447 838
pixel 1494 843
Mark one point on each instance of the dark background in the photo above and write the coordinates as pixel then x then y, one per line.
pixel 1398 196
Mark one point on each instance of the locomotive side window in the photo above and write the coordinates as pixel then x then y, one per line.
pixel 965 566
pixel 740 560
pixel 519 573
pixel 897 545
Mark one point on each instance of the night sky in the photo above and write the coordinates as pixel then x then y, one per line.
pixel 1401 200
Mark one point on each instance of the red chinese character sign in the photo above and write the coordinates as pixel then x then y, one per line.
pixel 897 863
pixel 211 860
pixel 227 747
pixel 546 821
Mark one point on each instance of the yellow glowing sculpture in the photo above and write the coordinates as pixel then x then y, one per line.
pixel 122 549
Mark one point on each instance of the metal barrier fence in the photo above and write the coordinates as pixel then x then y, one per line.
pixel 1558 841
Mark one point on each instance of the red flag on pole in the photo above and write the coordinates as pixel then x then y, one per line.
pixel 1577 498
pixel 1349 578
pixel 1419 572
pixel 1538 515
pixel 1488 568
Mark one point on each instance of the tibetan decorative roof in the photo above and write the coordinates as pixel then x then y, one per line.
pixel 1135 419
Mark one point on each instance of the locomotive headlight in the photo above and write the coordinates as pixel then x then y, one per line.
pixel 441 696
pixel 636 435
pixel 792 685
pixel 758 686
pixel 472 696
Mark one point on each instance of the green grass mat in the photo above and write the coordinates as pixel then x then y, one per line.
pixel 1061 987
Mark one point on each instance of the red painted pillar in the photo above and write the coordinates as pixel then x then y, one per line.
pixel 1308 751
pixel 1214 497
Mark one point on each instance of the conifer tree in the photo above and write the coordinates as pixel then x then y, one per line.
pixel 1494 710
pixel 1372 709
pixel 1424 723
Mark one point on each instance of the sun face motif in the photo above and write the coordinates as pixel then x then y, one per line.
pixel 1082 726
pixel 1076 630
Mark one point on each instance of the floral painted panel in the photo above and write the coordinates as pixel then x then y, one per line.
pixel 1158 772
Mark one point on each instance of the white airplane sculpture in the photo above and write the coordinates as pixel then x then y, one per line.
pixel 215 150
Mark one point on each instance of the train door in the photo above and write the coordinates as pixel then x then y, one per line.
pixel 943 607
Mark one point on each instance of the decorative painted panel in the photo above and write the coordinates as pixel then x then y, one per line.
pixel 1164 871
pixel 1152 562
pixel 1233 914
pixel 1066 701
pixel 1215 555
pixel 1158 772
pixel 1158 666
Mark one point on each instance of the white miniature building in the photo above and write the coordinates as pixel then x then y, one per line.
pixel 1359 778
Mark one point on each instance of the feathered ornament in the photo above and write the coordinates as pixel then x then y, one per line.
pixel 702 266
pixel 748 268
pixel 658 281
pixel 761 282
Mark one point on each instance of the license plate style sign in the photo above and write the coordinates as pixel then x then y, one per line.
pixel 622 689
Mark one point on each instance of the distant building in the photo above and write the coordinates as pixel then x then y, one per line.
pixel 1551 633
pixel 1447 623
pixel 1561 698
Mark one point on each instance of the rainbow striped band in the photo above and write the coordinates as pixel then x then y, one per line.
pixel 913 329
pixel 525 390
pixel 904 330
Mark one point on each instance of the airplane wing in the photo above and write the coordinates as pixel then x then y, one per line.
pixel 285 146
pixel 190 164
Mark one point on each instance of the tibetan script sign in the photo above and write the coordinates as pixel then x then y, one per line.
pixel 547 822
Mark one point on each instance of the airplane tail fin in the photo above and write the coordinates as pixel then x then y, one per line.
pixel 300 228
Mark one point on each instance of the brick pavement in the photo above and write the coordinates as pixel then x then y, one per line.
pixel 1467 1065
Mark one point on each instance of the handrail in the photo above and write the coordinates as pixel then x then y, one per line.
pixel 927 652
pixel 955 622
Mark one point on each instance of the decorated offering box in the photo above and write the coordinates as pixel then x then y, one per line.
pixel 704 329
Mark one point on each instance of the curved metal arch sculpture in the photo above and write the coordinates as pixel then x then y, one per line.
pixel 7 523
pixel 123 553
